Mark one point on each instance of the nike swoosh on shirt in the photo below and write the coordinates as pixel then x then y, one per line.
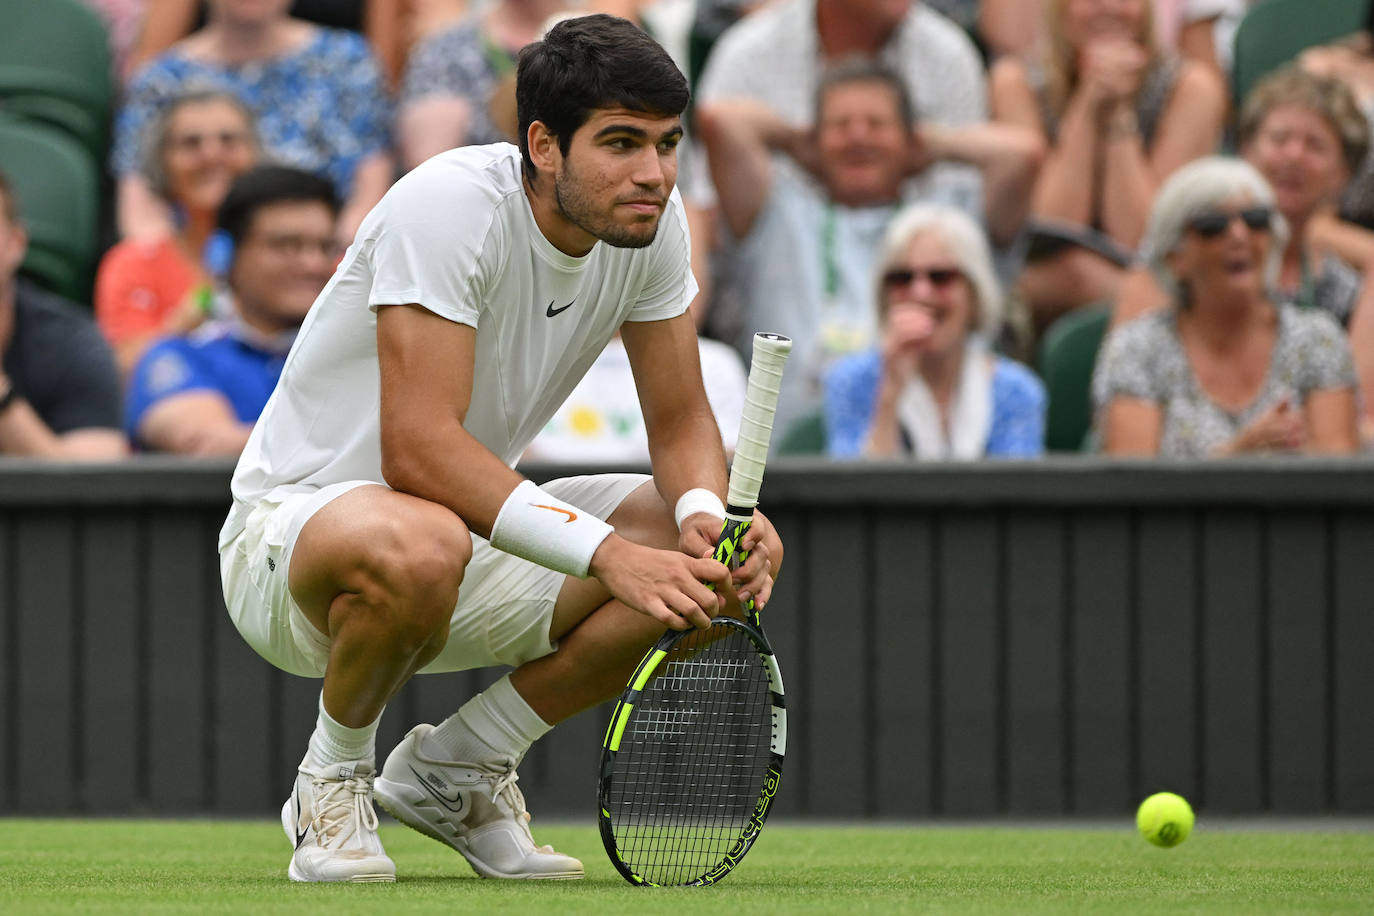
pixel 572 516
pixel 551 311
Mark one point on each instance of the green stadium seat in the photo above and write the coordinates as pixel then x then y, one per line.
pixel 57 185
pixel 804 437
pixel 55 67
pixel 1065 360
pixel 1274 32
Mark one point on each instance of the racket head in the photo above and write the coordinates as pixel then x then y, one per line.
pixel 693 756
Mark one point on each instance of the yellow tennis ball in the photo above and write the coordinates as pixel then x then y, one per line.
pixel 1165 819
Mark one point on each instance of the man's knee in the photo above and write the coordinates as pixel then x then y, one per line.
pixel 398 569
pixel 416 566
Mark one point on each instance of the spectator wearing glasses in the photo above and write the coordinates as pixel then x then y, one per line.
pixel 1227 368
pixel 201 394
pixel 1118 116
pixel 320 100
pixel 804 262
pixel 150 288
pixel 932 388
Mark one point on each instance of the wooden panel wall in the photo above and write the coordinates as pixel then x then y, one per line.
pixel 1026 640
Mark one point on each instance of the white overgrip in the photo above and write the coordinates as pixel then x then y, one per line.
pixel 760 403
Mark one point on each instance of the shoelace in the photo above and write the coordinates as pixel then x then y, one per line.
pixel 333 813
pixel 505 786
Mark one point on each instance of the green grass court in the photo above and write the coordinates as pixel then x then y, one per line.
pixel 141 866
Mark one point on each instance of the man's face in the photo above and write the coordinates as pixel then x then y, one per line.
pixel 615 180
pixel 283 261
pixel 862 142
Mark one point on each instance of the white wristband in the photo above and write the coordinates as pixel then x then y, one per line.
pixel 697 500
pixel 541 528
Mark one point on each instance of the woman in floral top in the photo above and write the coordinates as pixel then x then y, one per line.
pixel 1225 370
pixel 319 97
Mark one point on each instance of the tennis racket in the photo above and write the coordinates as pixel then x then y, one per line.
pixel 693 753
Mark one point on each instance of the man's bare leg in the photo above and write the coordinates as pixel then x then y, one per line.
pixel 378 572
pixel 473 805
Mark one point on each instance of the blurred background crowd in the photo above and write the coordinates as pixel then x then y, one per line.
pixel 993 228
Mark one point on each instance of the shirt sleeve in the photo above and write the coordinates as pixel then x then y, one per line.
pixel 363 96
pixel 669 286
pixel 423 255
pixel 168 368
pixel 1018 413
pixel 434 67
pixel 130 287
pixel 850 387
pixel 361 123
pixel 1322 353
pixel 1126 365
pixel 149 90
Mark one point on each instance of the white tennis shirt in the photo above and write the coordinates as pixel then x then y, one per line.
pixel 456 236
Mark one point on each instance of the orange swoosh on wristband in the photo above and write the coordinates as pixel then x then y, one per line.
pixel 572 516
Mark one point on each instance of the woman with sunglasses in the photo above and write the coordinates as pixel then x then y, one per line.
pixel 1226 369
pixel 932 388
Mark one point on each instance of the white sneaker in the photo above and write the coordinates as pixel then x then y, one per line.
pixel 330 819
pixel 477 810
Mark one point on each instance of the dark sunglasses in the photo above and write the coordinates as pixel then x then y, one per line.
pixel 1211 225
pixel 939 277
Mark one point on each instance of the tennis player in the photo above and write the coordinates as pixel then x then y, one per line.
pixel 378 528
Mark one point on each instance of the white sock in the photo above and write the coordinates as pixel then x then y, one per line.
pixel 494 726
pixel 334 743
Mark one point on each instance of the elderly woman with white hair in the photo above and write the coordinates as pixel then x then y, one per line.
pixel 933 388
pixel 1225 369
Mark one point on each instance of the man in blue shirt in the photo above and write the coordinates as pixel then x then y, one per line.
pixel 201 394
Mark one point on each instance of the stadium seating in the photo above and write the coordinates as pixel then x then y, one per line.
pixel 1065 361
pixel 55 68
pixel 1276 31
pixel 57 185
pixel 805 437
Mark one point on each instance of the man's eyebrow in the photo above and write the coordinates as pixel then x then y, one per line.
pixel 638 133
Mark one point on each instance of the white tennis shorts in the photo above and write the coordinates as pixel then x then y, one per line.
pixel 505 604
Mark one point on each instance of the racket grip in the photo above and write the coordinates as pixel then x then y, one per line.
pixel 756 427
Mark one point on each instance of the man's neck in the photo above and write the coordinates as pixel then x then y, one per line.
pixel 842 33
pixel 561 234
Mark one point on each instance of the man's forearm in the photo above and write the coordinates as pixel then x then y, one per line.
pixel 687 456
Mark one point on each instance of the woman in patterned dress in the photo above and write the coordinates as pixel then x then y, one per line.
pixel 318 94
pixel 1225 369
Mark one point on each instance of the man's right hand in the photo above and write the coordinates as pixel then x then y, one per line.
pixel 664 584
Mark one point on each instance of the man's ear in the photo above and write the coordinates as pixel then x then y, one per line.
pixel 543 147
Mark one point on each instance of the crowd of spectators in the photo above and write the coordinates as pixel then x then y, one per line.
pixel 916 191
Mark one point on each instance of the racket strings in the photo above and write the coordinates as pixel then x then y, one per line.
pixel 690 771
